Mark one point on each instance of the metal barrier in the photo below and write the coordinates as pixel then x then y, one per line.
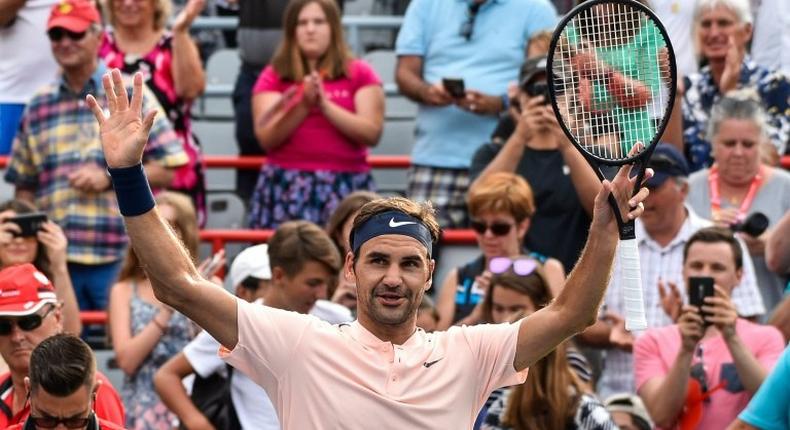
pixel 375 161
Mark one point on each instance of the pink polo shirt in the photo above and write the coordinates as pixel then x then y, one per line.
pixel 322 376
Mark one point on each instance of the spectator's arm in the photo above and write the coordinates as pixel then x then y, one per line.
pixel 673 134
pixel 363 126
pixel 750 371
pixel 9 9
pixel 507 158
pixel 597 335
pixel 777 251
pixel 158 175
pixel 583 177
pixel 408 76
pixel 664 396
pixel 445 305
pixel 781 318
pixel 275 117
pixel 53 239
pixel 167 382
pixel 189 78
pixel 130 349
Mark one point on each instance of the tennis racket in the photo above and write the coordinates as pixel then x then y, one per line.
pixel 612 80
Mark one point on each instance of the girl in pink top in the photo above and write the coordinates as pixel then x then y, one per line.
pixel 316 110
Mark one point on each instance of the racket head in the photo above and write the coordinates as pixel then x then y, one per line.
pixel 612 79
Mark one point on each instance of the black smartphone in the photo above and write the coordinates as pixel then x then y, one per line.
pixel 454 86
pixel 699 288
pixel 29 223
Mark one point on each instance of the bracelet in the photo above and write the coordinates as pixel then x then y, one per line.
pixel 132 190
pixel 505 102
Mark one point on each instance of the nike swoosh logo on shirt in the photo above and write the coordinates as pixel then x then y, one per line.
pixel 394 224
pixel 428 364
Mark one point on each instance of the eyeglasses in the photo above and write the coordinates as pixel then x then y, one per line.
pixel 468 26
pixel 26 323
pixel 498 228
pixel 521 266
pixel 52 422
pixel 57 33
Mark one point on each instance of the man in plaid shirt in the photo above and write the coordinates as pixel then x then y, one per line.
pixel 57 160
pixel 662 231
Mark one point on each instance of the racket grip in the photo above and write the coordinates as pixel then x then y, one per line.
pixel 628 253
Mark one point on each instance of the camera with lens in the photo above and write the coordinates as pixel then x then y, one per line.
pixel 754 225
pixel 532 80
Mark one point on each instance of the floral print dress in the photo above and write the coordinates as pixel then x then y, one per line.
pixel 144 409
pixel 157 69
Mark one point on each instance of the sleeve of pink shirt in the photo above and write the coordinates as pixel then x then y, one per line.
pixel 269 338
pixel 647 358
pixel 773 344
pixel 268 80
pixel 363 74
pixel 494 347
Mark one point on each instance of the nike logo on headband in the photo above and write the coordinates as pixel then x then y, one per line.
pixel 394 224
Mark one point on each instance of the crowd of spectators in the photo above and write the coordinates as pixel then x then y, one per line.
pixel 492 158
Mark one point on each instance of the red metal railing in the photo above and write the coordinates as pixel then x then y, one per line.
pixel 376 161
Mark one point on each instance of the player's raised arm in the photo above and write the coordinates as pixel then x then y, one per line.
pixel 176 281
pixel 577 305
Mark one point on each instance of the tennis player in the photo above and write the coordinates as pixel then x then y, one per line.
pixel 380 370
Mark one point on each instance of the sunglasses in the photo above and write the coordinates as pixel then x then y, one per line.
pixel 521 266
pixel 57 33
pixel 52 422
pixel 498 228
pixel 26 323
pixel 469 25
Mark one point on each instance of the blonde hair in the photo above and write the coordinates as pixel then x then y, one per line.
pixel 288 61
pixel 501 192
pixel 162 11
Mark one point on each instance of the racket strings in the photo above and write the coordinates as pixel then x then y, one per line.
pixel 611 79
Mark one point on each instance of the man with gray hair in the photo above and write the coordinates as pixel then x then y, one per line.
pixel 724 30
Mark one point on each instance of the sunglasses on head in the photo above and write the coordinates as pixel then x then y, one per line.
pixel 52 422
pixel 57 33
pixel 498 228
pixel 25 323
pixel 521 266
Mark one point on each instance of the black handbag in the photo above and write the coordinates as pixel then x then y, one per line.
pixel 212 398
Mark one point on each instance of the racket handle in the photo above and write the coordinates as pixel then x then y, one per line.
pixel 628 253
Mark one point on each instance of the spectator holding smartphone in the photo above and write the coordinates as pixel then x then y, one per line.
pixel 145 333
pixel 46 250
pixel 702 371
pixel 529 142
pixel 483 40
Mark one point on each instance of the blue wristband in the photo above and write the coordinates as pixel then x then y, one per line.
pixel 132 190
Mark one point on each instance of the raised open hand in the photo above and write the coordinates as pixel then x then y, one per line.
pixel 124 132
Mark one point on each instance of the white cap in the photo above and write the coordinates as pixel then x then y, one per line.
pixel 253 261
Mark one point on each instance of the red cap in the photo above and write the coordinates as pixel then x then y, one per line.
pixel 73 15
pixel 24 290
